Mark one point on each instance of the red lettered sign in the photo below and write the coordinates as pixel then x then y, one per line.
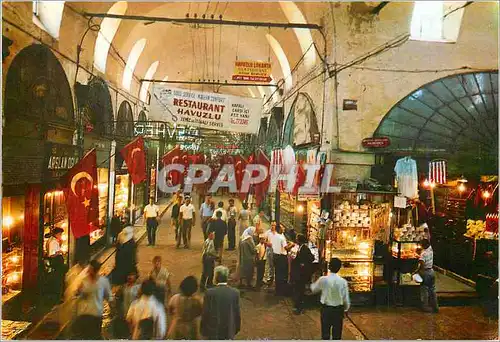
pixel 376 142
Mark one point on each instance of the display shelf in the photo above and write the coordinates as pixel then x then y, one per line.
pixel 405 249
pixel 359 275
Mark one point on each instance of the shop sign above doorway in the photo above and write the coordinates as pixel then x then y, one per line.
pixel 252 71
pixel 379 142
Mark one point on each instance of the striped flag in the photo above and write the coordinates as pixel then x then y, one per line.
pixel 277 166
pixel 438 171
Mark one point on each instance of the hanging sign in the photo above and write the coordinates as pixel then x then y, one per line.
pixel 253 71
pixel 208 110
pixel 376 142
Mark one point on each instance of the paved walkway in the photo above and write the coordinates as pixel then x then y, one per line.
pixel 266 316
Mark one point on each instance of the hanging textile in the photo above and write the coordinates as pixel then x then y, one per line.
pixel 407 178
pixel 437 171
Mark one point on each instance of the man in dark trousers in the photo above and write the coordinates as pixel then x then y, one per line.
pixel 334 301
pixel 209 255
pixel 219 227
pixel 231 225
pixel 301 272
pixel 221 317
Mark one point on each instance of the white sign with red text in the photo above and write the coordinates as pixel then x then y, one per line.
pixel 208 110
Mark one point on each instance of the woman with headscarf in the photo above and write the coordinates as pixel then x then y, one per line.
pixel 126 256
pixel 247 256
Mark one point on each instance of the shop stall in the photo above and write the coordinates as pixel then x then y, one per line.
pixel 360 218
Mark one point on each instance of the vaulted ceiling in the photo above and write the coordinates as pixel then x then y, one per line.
pixel 201 52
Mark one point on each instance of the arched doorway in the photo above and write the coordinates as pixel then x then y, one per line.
pixel 37 89
pixel 301 126
pixel 142 117
pixel 37 152
pixel 125 121
pixel 97 108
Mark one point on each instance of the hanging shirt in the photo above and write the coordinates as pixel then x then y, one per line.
pixel 407 177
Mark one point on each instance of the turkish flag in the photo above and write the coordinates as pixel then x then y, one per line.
pixel 301 178
pixel 261 188
pixel 82 195
pixel 135 157
pixel 173 157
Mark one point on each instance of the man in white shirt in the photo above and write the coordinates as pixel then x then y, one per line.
pixel 335 301
pixel 56 259
pixel 151 212
pixel 187 219
pixel 277 242
pixel 146 315
pixel 220 207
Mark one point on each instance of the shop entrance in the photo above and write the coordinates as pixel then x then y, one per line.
pixel 453 123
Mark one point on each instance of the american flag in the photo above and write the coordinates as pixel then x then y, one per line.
pixel 437 171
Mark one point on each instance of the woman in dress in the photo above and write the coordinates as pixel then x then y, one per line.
pixel 185 309
pixel 247 258
pixel 244 218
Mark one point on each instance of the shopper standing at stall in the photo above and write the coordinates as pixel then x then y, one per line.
pixel 206 213
pixel 187 220
pixel 428 295
pixel 277 242
pixel 301 271
pixel 335 301
pixel 231 225
pixel 151 212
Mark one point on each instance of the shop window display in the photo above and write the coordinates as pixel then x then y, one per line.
pixel 121 194
pixel 98 232
pixel 55 215
pixel 12 245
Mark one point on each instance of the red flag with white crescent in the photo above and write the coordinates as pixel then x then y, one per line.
pixel 82 195
pixel 173 157
pixel 135 157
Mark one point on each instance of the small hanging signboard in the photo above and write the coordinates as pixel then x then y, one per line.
pixel 252 71
pixel 379 142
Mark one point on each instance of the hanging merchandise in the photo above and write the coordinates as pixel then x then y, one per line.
pixel 437 171
pixel 407 178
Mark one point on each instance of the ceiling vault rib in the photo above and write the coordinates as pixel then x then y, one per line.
pixel 226 84
pixel 203 21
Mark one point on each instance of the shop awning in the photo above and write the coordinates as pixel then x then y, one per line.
pixel 455 113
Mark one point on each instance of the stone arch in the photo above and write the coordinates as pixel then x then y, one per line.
pixel 37 88
pixel 125 120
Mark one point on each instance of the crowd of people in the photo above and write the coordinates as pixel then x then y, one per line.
pixel 265 258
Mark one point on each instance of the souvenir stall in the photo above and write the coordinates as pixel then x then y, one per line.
pixel 360 218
